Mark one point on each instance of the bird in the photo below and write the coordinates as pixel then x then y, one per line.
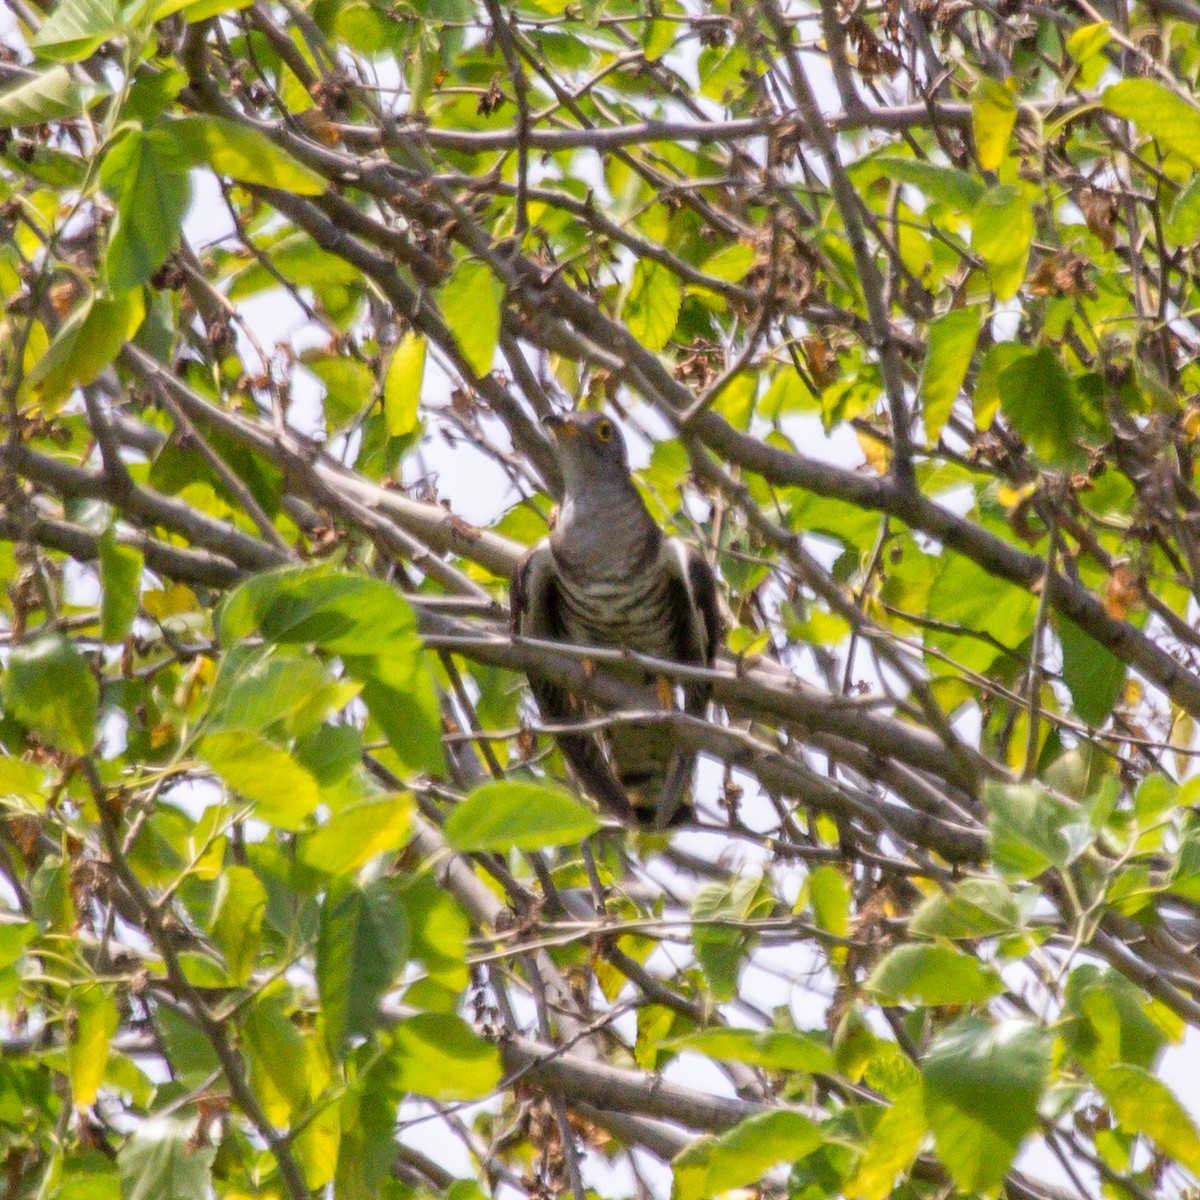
pixel 608 576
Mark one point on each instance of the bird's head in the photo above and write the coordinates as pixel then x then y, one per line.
pixel 590 449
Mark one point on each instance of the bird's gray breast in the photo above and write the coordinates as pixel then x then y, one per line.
pixel 632 610
pixel 614 585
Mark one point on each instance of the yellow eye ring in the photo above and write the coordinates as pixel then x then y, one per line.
pixel 604 430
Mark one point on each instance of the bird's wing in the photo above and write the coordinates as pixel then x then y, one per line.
pixel 695 614
pixel 695 635
pixel 534 606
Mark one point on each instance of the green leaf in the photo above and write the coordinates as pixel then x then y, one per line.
pixel 86 342
pixel 370 626
pixel 439 929
pixel 1093 675
pixel 77 28
pixel 440 1056
pixel 787 394
pixel 242 153
pixel 731 263
pixel 15 935
pixel 354 836
pixel 96 1020
pixel 121 584
pixel 518 815
pixel 983 1083
pixel 976 908
pixel 403 703
pixel 1159 112
pixel 402 385
pixel 1030 829
pixel 196 10
pixel 284 793
pixel 338 611
pixel 1142 1103
pixel 362 944
pixel 146 175
pixel 237 921
pixel 830 895
pixel 712 1165
pixel 1001 233
pixel 773 1050
pixel 894 1145
pixel 952 187
pixel 1036 396
pixel 471 304
pixel 651 309
pixel 993 115
pixel 1182 226
pixel 1088 40
pixel 1084 46
pixel 933 975
pixel 47 96
pixel 952 340
pixel 349 386
pixel 163 1158
pixel 1105 1021
pixel 259 686
pixel 986 400
pixel 279 1057
pixel 49 687
pixel 718 909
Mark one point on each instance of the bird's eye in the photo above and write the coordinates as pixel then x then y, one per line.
pixel 604 430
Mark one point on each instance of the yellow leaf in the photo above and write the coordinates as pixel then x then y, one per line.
pixel 993 115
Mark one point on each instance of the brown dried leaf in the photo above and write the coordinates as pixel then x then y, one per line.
pixel 1122 593
pixel 1100 212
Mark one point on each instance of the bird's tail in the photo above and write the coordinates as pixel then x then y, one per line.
pixel 668 803
pixel 655 776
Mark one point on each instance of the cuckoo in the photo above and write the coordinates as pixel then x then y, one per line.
pixel 608 576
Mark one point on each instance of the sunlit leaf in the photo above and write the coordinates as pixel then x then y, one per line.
pixel 471 303
pixel 237 919
pixel 284 793
pixel 356 835
pixel 715 1164
pixel 47 96
pixel 652 305
pixel 1002 230
pixel 77 28
pixel 892 1148
pixel 1142 1103
pixel 86 342
pixel 438 1055
pixel 524 816
pixel 96 1019
pixel 774 1050
pixel 402 385
pixel 242 153
pixel 1159 112
pixel 975 908
pixel 951 341
pixel 993 115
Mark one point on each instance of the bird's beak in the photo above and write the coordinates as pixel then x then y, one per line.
pixel 559 427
